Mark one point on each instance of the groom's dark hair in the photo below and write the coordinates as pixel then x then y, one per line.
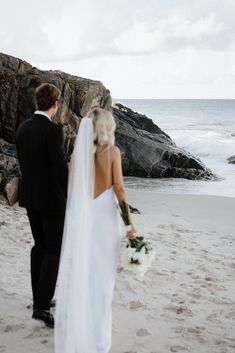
pixel 46 96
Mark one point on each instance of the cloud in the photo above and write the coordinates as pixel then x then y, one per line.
pixel 136 48
pixel 183 28
pixel 145 38
pixel 74 29
pixel 185 73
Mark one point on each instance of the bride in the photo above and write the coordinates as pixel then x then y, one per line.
pixel 91 241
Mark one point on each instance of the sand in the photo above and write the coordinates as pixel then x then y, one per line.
pixel 184 303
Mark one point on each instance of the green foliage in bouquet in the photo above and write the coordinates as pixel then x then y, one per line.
pixel 138 243
pixel 136 262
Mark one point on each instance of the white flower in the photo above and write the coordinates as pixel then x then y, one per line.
pixel 130 251
pixel 136 256
pixel 142 255
pixel 138 261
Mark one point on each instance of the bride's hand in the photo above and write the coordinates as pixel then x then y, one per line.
pixel 131 234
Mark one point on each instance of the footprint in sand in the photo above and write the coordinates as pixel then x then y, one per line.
pixel 193 275
pixel 220 342
pixel 230 341
pixel 136 304
pixel 195 293
pixel 12 328
pixel 214 318
pixel 230 315
pixel 44 341
pixel 180 329
pixel 176 300
pixel 179 309
pixel 162 226
pixel 120 269
pixel 196 329
pixel 40 331
pixel 179 348
pixel 220 301
pixel 193 301
pixel 142 332
pixel 209 279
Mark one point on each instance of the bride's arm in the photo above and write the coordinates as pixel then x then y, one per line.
pixel 119 188
pixel 70 165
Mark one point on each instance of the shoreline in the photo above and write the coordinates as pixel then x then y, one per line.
pixel 148 191
pixel 179 186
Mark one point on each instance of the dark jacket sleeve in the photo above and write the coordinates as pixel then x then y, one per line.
pixel 57 156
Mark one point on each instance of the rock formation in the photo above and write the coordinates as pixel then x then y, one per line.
pixel 9 171
pixel 18 81
pixel 147 150
pixel 231 160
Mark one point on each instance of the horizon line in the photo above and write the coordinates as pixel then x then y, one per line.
pixel 113 98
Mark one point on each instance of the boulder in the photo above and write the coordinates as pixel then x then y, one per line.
pixel 11 190
pixel 231 160
pixel 147 151
pixel 9 171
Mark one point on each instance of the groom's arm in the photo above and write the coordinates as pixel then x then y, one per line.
pixel 55 143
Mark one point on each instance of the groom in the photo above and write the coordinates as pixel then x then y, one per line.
pixel 44 170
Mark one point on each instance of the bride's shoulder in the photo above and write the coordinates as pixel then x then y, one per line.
pixel 115 151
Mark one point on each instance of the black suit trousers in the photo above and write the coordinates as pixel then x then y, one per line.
pixel 47 229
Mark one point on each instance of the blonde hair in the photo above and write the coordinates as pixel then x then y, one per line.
pixel 103 126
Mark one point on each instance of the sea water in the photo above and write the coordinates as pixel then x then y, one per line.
pixel 205 128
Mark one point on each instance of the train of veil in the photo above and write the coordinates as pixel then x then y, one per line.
pixel 73 318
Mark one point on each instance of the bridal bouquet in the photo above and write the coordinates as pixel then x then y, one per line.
pixel 138 252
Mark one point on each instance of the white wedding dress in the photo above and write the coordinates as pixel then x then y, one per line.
pixel 105 250
pixel 90 250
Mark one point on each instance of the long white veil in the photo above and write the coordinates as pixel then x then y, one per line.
pixel 73 319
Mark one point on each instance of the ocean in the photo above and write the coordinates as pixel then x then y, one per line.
pixel 205 128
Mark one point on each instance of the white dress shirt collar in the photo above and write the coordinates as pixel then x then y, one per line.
pixel 42 113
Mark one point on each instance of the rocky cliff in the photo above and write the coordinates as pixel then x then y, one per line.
pixel 147 150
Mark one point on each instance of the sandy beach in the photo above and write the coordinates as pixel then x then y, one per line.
pixel 184 303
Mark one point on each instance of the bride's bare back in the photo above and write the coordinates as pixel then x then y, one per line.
pixel 108 172
pixel 103 171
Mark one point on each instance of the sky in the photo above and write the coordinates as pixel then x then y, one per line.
pixel 137 48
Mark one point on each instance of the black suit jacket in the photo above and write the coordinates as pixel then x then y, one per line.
pixel 43 165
